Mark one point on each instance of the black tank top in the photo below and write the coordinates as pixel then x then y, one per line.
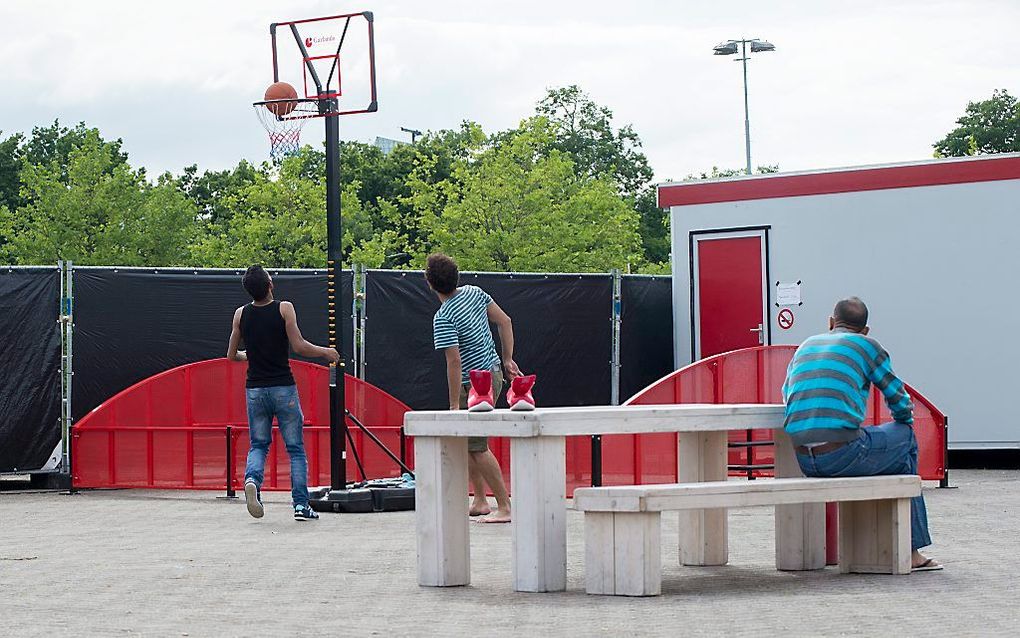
pixel 265 341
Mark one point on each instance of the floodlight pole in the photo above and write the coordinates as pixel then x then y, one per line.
pixel 334 294
pixel 730 47
pixel 747 117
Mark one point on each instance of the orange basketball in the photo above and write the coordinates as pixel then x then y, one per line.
pixel 281 91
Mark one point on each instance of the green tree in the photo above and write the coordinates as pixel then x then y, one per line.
pixel 718 173
pixel 92 208
pixel 988 126
pixel 279 220
pixel 53 145
pixel 515 205
pixel 10 171
pixel 585 131
pixel 211 189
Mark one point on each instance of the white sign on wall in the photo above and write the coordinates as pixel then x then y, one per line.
pixel 788 294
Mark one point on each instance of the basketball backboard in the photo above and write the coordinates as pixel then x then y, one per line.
pixel 329 57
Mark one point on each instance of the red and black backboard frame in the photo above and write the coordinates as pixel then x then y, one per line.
pixel 334 57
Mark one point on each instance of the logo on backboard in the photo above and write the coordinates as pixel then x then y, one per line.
pixel 319 40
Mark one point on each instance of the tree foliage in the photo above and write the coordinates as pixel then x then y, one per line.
pixel 566 190
pixel 515 205
pixel 90 207
pixel 988 126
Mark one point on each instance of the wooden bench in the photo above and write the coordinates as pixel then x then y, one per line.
pixel 622 548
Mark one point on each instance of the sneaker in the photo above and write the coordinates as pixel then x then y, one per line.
pixel 480 397
pixel 304 513
pixel 519 395
pixel 253 499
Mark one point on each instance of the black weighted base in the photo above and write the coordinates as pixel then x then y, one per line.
pixel 380 495
pixel 393 499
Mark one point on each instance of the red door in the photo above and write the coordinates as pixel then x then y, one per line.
pixel 729 292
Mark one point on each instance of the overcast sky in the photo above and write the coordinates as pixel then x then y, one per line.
pixel 850 83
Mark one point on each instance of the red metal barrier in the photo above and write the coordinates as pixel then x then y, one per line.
pixel 751 375
pixel 169 431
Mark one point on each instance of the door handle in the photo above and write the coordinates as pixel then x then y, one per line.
pixel 761 333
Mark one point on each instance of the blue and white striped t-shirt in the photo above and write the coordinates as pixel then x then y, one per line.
pixel 827 386
pixel 463 321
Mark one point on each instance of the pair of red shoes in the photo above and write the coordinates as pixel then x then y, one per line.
pixel 481 399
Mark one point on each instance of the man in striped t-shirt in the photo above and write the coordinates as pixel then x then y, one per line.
pixel 826 393
pixel 461 330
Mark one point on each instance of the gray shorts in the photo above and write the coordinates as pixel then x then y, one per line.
pixel 481 443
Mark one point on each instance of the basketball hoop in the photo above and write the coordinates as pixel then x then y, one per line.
pixel 283 120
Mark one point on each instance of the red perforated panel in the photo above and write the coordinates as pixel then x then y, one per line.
pixel 751 375
pixel 169 431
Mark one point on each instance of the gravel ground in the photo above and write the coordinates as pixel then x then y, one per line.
pixel 124 563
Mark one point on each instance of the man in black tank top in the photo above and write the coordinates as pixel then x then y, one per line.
pixel 269 330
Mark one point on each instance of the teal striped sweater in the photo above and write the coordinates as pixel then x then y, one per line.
pixel 827 385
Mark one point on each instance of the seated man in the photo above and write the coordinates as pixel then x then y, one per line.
pixel 826 393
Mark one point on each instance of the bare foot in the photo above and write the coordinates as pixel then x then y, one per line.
pixel 479 507
pixel 499 516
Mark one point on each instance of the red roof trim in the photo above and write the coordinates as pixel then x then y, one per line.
pixel 840 181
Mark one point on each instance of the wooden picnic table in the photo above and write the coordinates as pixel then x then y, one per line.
pixel 538 483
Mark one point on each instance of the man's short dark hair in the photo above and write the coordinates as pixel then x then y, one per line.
pixel 442 273
pixel 256 282
pixel 851 312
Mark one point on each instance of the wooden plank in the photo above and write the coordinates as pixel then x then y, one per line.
pixel 702 532
pixel 741 493
pixel 599 553
pixel 877 537
pixel 441 511
pixel 799 526
pixel 637 553
pixel 594 420
pixel 900 529
pixel 538 468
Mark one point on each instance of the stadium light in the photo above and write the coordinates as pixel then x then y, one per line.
pixel 732 47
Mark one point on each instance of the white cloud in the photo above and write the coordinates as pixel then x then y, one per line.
pixel 850 83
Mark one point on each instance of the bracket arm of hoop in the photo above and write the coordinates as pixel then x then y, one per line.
pixel 304 56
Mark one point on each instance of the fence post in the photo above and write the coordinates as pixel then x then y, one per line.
pixel 616 319
pixel 360 319
pixel 614 371
pixel 66 322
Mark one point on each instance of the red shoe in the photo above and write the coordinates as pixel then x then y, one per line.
pixel 480 397
pixel 519 395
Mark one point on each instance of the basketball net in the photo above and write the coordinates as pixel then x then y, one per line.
pixel 284 132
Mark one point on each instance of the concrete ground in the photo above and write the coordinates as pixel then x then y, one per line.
pixel 124 563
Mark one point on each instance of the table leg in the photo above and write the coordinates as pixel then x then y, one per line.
pixel 703 533
pixel 800 528
pixel 538 476
pixel 441 511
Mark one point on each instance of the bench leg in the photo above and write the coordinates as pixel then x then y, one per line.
pixel 703 533
pixel 441 511
pixel 623 553
pixel 800 528
pixel 874 536
pixel 538 476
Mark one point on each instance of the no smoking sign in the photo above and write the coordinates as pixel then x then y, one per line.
pixel 785 319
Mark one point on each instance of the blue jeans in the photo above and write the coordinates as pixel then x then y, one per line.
pixel 283 403
pixel 890 448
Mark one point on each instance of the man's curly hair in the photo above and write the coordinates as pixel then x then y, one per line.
pixel 442 273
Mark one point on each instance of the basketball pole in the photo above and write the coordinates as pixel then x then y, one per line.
pixel 334 296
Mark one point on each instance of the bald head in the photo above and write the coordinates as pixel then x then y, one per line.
pixel 851 314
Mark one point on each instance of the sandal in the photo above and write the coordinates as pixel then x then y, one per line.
pixel 927 566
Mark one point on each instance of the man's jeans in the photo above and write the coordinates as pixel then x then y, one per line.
pixel 883 449
pixel 281 402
